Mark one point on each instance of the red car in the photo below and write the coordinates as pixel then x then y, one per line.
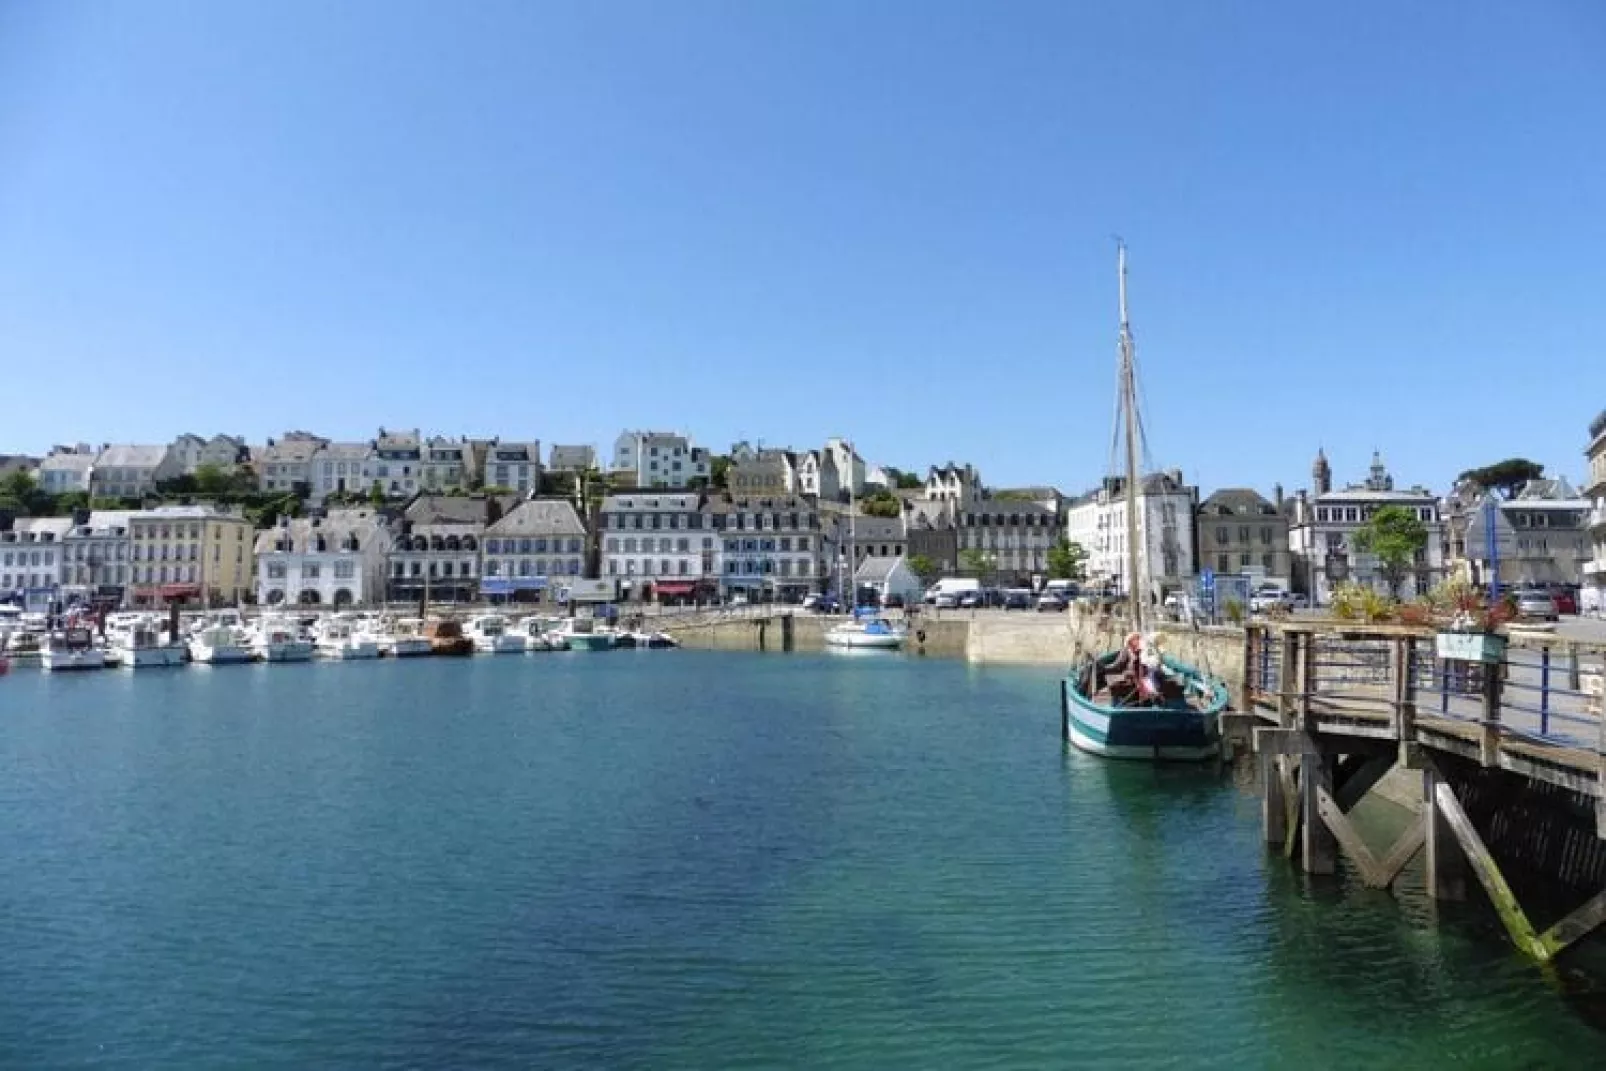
pixel 1566 601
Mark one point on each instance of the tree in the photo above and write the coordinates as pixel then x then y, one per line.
pixel 1065 560
pixel 881 504
pixel 719 467
pixel 976 562
pixel 1506 476
pixel 925 568
pixel 24 490
pixel 904 481
pixel 211 480
pixel 376 495
pixel 1393 535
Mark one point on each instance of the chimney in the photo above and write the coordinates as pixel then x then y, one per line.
pixel 1277 496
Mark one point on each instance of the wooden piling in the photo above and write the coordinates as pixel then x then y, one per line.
pixel 1287 677
pixel 1489 739
pixel 1488 873
pixel 1446 864
pixel 1319 849
pixel 1273 799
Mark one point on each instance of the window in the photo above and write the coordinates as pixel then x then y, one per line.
pixel 345 570
pixel 613 568
pixel 1265 536
pixel 1223 563
pixel 1243 533
pixel 1266 562
pixel 1221 535
pixel 683 567
pixel 276 570
pixel 309 570
pixel 1243 561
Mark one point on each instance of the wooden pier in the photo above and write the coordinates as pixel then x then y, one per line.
pixel 1511 760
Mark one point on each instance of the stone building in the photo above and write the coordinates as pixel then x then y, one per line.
pixel 1241 532
pixel 1323 525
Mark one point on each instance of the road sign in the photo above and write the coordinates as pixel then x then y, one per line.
pixel 1207 580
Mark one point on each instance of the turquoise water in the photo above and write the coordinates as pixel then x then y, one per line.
pixel 682 859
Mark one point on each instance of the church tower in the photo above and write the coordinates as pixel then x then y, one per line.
pixel 1321 474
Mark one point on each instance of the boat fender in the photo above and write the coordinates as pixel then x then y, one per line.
pixel 920 637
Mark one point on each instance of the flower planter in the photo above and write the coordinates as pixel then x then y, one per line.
pixel 1487 648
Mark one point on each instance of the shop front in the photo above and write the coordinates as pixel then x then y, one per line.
pixel 515 589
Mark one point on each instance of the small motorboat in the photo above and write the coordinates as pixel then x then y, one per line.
pixel 281 641
pixel 142 643
pixel 867 631
pixel 587 634
pixel 491 635
pixel 651 641
pixel 446 638
pixel 218 644
pixel 72 649
pixel 341 638
pixel 402 638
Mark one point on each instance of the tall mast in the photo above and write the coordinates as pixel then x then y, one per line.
pixel 1135 594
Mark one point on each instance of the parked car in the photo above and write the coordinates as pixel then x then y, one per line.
pixel 1566 601
pixel 1051 603
pixel 970 600
pixel 738 599
pixel 892 602
pixel 1536 605
pixel 1017 600
pixel 945 600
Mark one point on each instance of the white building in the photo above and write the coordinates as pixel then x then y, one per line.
pixel 334 560
pixel 1595 569
pixel 954 484
pixel 850 467
pixel 341 468
pixel 66 469
pixel 286 462
pixel 189 452
pixel 534 543
pixel 398 464
pixel 1166 506
pixel 31 561
pixel 514 465
pixel 572 459
pixel 817 475
pixel 1322 530
pixel 96 555
pixel 448 464
pixel 663 539
pixel 887 577
pixel 773 548
pixel 126 471
pixel 762 472
pixel 659 459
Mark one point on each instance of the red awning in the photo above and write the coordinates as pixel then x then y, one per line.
pixel 179 591
pixel 674 587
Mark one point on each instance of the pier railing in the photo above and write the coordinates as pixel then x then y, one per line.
pixel 1511 757
pixel 1545 696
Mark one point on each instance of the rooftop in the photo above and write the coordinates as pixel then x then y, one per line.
pixel 539 517
pixel 131 456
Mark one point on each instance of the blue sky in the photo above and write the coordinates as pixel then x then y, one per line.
pixel 1359 225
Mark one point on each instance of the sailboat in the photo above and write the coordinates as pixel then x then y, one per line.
pixel 1136 702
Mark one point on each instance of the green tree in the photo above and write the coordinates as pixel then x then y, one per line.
pixel 376 495
pixel 976 562
pixel 881 504
pixel 211 480
pixel 1506 476
pixel 1065 560
pixel 1393 535
pixel 719 467
pixel 23 490
pixel 925 568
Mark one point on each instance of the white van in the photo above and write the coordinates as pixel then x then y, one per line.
pixel 945 593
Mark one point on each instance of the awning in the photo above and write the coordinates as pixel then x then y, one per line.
pixel 507 585
pixel 674 587
pixel 179 591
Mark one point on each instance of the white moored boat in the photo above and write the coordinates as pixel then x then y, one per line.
pixel 587 634
pixel 219 644
pixel 341 637
pixel 867 632
pixel 540 634
pixel 491 636
pixel 142 643
pixel 402 638
pixel 72 649
pixel 276 640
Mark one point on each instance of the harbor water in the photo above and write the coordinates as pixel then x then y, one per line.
pixel 686 860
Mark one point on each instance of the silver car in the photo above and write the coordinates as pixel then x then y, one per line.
pixel 1536 605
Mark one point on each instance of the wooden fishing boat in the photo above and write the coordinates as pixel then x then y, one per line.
pixel 1135 702
pixel 446 638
